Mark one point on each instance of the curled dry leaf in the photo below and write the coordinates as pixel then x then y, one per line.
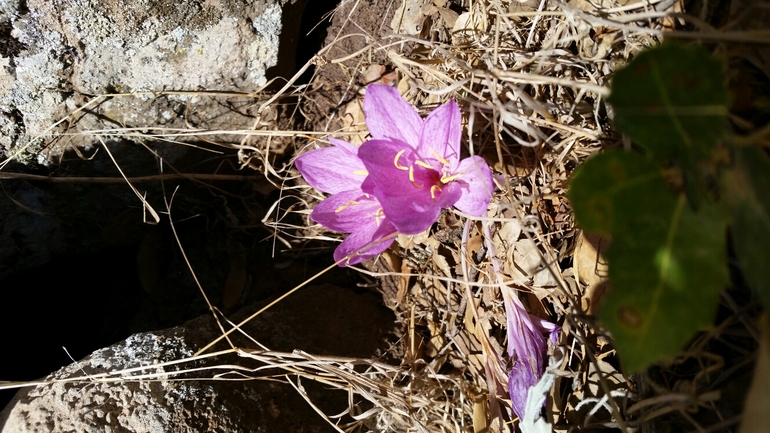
pixel 378 74
pixel 353 121
pixel 409 17
pixel 591 269
pixel 526 267
pixel 469 23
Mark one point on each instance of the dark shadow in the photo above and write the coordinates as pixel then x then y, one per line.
pixel 302 35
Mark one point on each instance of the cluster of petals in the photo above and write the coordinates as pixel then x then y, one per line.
pixel 399 180
pixel 527 347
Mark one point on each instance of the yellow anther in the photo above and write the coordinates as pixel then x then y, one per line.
pixel 423 164
pixel 361 172
pixel 446 180
pixel 411 177
pixel 433 190
pixel 441 160
pixel 395 160
pixel 379 216
pixel 346 205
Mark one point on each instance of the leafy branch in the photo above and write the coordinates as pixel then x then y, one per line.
pixel 668 203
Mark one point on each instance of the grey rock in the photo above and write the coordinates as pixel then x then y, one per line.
pixel 319 319
pixel 73 50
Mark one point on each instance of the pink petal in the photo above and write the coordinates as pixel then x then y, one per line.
pixel 357 242
pixel 527 347
pixel 389 116
pixel 410 215
pixel 332 169
pixel 379 159
pixel 450 195
pixel 350 147
pixel 440 136
pixel 545 327
pixel 408 203
pixel 477 186
pixel 348 211
pixel 520 380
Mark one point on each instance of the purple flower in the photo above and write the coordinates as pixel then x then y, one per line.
pixel 397 182
pixel 338 171
pixel 414 165
pixel 527 347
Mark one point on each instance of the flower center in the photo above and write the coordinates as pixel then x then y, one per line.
pixel 433 176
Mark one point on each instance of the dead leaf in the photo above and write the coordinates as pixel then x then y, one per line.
pixel 591 269
pixel 439 260
pixel 510 231
pixel 448 16
pixel 409 17
pixel 373 73
pixel 526 266
pixel 437 339
pixel 481 414
pixel 353 121
pixel 469 23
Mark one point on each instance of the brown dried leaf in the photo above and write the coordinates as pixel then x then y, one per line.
pixel 469 23
pixel 526 266
pixel 409 17
pixel 353 121
pixel 591 268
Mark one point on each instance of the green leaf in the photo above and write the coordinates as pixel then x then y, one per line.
pixel 672 100
pixel 666 269
pixel 614 187
pixel 746 194
pixel 666 261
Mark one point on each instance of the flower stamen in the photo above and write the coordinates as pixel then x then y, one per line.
pixel 379 216
pixel 361 172
pixel 411 177
pixel 433 190
pixel 424 164
pixel 395 160
pixel 446 179
pixel 346 205
pixel 439 158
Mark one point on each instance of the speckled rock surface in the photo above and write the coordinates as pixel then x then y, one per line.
pixel 58 54
pixel 322 319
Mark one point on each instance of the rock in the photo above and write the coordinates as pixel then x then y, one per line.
pixel 65 52
pixel 320 319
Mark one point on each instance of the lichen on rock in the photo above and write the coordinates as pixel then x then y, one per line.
pixel 76 49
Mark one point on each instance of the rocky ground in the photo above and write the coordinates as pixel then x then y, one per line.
pixel 78 259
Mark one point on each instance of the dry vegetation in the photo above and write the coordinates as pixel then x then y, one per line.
pixel 530 78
